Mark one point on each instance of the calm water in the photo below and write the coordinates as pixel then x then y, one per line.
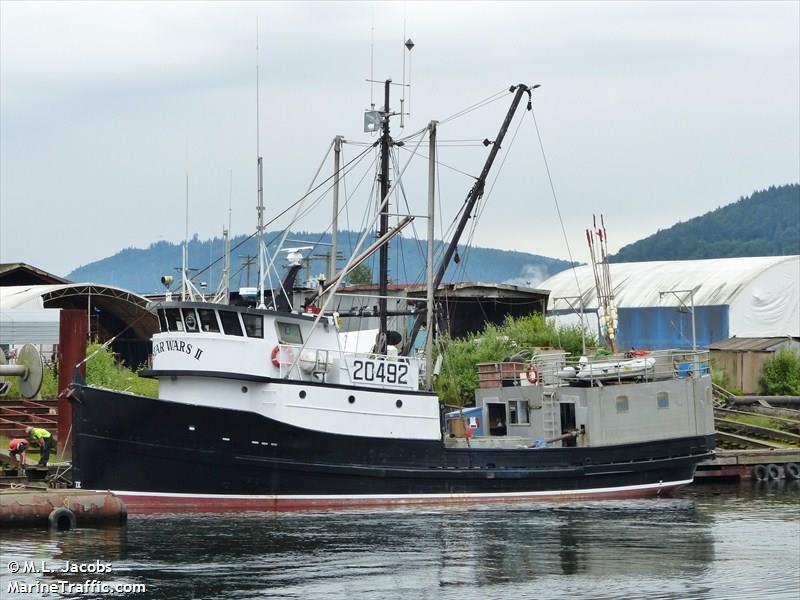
pixel 732 541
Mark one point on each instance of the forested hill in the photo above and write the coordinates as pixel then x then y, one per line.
pixel 140 269
pixel 765 224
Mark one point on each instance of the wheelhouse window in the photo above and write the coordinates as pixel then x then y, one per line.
pixel 174 320
pixel 622 404
pixel 662 399
pixel 162 321
pixel 230 322
pixel 208 320
pixel 289 333
pixel 253 325
pixel 190 320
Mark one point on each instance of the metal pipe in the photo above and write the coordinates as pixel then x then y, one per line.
pixel 13 371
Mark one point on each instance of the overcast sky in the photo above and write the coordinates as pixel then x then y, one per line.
pixel 649 113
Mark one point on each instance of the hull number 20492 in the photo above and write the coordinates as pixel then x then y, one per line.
pixel 381 372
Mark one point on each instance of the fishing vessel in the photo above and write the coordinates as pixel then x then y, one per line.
pixel 260 407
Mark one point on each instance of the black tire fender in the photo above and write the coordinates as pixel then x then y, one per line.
pixel 62 519
pixel 791 470
pixel 760 472
pixel 773 472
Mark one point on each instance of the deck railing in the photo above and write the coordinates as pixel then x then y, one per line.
pixel 622 368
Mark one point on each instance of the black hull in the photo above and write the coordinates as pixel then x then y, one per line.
pixel 145 447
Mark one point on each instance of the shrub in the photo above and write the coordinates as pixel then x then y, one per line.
pixel 780 375
pixel 458 380
pixel 102 370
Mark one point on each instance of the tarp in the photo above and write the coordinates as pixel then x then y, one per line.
pixel 762 293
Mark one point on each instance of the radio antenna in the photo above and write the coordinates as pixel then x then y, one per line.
pixel 372 61
pixel 185 256
pixel 260 206
pixel 408 46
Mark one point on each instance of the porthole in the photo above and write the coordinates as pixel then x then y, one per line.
pixel 302 393
pixel 351 399
pixel 399 403
pixel 244 389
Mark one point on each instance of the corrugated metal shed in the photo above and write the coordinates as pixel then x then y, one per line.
pixel 762 344
pixel 25 274
pixel 741 360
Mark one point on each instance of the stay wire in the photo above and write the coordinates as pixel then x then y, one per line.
pixel 445 165
pixel 555 200
pixel 278 216
pixel 484 200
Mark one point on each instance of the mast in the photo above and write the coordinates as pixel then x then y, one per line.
pixel 383 256
pixel 430 292
pixel 472 198
pixel 337 156
pixel 185 254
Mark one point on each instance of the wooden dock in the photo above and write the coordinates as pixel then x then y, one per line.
pixel 744 464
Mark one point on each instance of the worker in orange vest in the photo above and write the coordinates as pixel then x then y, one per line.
pixel 16 449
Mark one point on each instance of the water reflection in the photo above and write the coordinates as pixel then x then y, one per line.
pixel 654 548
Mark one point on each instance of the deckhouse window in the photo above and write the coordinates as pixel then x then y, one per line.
pixel 253 325
pixel 174 320
pixel 190 319
pixel 289 333
pixel 662 399
pixel 518 412
pixel 230 322
pixel 208 320
pixel 622 404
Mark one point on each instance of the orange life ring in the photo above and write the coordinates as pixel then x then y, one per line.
pixel 275 357
pixel 532 375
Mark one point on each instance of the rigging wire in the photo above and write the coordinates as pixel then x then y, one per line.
pixel 401 187
pixel 300 206
pixel 480 104
pixel 353 162
pixel 331 293
pixel 484 200
pixel 446 166
pixel 555 200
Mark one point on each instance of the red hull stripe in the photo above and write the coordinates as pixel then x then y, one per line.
pixel 154 502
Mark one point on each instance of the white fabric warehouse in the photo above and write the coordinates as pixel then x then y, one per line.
pixel 762 293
